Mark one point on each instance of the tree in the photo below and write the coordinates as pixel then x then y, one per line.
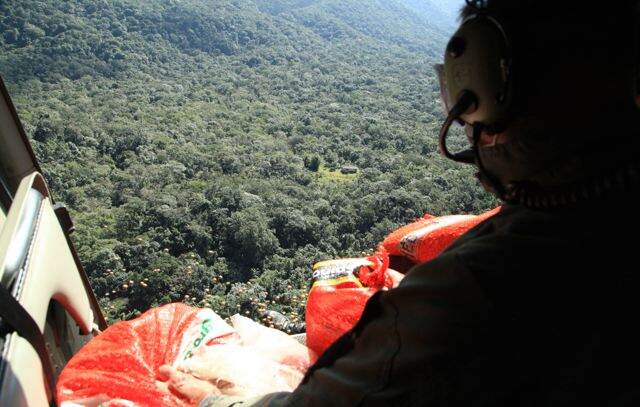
pixel 312 163
pixel 249 240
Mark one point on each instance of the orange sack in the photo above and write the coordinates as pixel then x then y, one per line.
pixel 340 290
pixel 119 367
pixel 426 238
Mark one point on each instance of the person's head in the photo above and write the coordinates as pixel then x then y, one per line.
pixel 572 80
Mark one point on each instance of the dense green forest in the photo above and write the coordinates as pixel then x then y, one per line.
pixel 199 143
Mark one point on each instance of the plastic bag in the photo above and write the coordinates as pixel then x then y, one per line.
pixel 426 238
pixel 255 360
pixel 340 291
pixel 120 366
pixel 274 344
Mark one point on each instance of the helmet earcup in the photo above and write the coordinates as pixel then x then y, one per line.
pixel 477 59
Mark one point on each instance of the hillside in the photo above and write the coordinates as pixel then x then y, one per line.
pixel 198 142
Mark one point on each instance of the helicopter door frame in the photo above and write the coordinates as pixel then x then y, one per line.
pixel 40 268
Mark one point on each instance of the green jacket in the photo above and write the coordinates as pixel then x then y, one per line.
pixel 529 308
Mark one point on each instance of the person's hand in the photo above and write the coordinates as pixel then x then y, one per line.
pixel 185 384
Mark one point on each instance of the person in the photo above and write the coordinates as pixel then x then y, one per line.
pixel 536 305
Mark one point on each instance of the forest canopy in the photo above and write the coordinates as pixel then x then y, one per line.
pixel 210 151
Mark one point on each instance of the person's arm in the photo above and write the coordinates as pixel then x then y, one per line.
pixel 404 350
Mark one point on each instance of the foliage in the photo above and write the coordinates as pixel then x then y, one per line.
pixel 198 143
